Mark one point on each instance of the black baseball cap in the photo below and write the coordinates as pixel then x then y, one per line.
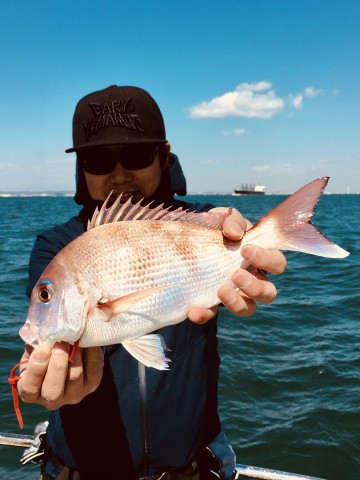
pixel 115 116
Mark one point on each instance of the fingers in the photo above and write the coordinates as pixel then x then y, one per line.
pixel 84 375
pixel 252 286
pixel 51 381
pixel 234 225
pixel 243 302
pixel 273 261
pixel 250 289
pixel 33 374
pixel 93 359
pixel 256 287
pixel 201 315
pixel 236 302
pixel 54 382
pixel 72 386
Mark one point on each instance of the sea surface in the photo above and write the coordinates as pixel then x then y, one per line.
pixel 290 375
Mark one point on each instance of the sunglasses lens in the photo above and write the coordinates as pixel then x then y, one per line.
pixel 101 161
pixel 97 165
pixel 137 157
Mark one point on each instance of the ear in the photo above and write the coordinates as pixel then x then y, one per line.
pixel 164 158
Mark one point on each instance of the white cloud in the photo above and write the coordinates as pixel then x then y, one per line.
pixel 284 168
pixel 251 100
pixel 238 132
pixel 287 168
pixel 296 101
pixel 311 92
pixel 261 168
pixel 210 162
pixel 7 166
pixel 248 100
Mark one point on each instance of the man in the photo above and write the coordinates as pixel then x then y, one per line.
pixel 112 417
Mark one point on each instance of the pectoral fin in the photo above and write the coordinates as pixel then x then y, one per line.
pixel 112 308
pixel 149 350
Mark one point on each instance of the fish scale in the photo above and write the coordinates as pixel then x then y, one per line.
pixel 172 257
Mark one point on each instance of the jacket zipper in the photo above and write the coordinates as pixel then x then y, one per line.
pixel 144 416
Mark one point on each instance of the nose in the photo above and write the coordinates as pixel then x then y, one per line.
pixel 120 174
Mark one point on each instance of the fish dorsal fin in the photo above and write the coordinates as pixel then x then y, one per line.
pixel 119 212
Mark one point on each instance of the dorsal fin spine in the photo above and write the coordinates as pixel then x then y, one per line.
pixel 129 211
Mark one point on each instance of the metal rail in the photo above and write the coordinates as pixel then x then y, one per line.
pixel 242 471
pixel 15 440
pixel 246 471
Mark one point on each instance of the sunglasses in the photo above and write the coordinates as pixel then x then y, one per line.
pixel 101 161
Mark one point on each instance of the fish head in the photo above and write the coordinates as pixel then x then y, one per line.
pixel 57 311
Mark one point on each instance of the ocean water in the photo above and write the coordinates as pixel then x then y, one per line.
pixel 290 376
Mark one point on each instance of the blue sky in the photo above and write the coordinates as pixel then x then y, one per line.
pixel 251 91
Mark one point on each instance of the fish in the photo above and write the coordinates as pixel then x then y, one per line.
pixel 138 269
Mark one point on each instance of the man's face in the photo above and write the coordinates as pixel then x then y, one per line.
pixel 138 184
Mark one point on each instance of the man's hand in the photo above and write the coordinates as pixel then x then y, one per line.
pixel 253 285
pixel 48 378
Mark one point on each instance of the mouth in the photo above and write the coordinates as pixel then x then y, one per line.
pixel 125 196
pixel 30 334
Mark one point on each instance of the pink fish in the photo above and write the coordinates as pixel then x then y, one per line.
pixel 138 269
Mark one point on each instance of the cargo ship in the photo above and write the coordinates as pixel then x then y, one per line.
pixel 250 189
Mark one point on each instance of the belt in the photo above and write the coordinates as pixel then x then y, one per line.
pixel 66 473
pixel 187 472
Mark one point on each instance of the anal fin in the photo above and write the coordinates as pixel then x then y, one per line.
pixel 149 350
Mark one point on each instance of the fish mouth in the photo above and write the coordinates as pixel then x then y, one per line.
pixel 30 334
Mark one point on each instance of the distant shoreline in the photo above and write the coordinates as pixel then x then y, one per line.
pixel 36 194
pixel 71 194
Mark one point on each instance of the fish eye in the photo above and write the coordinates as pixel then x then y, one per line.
pixel 46 291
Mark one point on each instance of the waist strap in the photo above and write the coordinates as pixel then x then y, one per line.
pixel 190 472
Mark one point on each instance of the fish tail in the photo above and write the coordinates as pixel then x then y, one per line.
pixel 288 226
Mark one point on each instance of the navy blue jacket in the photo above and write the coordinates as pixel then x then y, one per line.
pixel 140 420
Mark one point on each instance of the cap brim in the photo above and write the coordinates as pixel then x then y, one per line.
pixel 115 142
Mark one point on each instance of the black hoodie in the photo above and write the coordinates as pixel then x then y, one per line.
pixel 140 421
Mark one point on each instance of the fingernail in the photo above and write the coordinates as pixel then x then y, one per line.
pixel 234 229
pixel 62 347
pixel 241 279
pixel 248 252
pixel 229 296
pixel 41 354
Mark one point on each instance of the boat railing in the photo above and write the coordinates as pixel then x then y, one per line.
pixel 247 471
pixel 241 471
